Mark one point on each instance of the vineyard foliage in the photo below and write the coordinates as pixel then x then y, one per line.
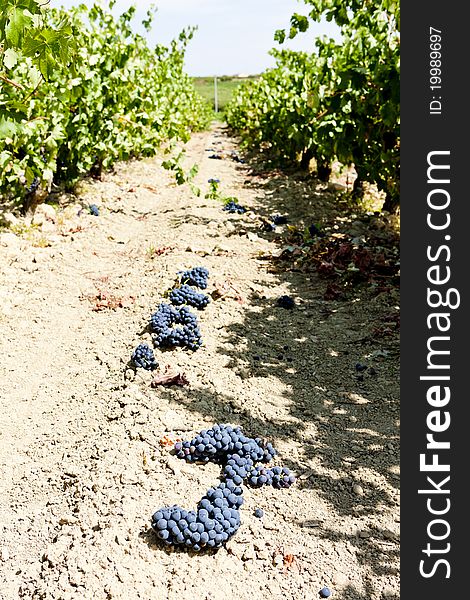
pixel 341 102
pixel 25 32
pixel 116 99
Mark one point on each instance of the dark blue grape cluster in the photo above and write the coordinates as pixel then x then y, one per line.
pixel 197 277
pixel 279 219
pixel 314 231
pixel 273 222
pixel 218 511
pixel 34 186
pixel 276 476
pixel 286 302
pixel 163 324
pixel 94 210
pixel 144 358
pixel 236 158
pixel 187 295
pixel 233 207
pixel 222 443
pixel 229 446
pixel 216 519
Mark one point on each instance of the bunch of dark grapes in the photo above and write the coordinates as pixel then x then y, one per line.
pixel 220 442
pixel 218 517
pixel 163 322
pixel 197 276
pixel 143 357
pixel 314 231
pixel 233 207
pixel 278 477
pixel 237 158
pixel 286 302
pixel 34 186
pixel 238 453
pixel 279 219
pixel 186 295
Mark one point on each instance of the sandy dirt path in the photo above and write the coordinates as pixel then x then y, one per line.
pixel 81 466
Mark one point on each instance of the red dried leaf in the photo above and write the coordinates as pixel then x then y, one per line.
pixel 362 259
pixel 327 269
pixel 106 301
pixel 333 292
pixel 226 290
pixel 167 441
pixel 289 559
pixel 344 252
pixel 170 379
pixel 164 250
pixel 160 251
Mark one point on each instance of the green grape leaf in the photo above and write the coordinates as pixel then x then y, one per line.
pixel 280 36
pixel 10 58
pixel 18 20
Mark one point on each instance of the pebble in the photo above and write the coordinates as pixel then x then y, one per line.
pixel 244 373
pixel 129 375
pixel 335 186
pixel 218 250
pixel 357 489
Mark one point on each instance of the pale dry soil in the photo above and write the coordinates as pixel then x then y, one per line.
pixel 81 464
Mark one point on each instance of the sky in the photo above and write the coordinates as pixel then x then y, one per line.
pixel 233 36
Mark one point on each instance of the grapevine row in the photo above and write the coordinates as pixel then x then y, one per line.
pixel 338 103
pixel 119 98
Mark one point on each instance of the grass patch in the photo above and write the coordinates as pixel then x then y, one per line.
pixel 226 87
